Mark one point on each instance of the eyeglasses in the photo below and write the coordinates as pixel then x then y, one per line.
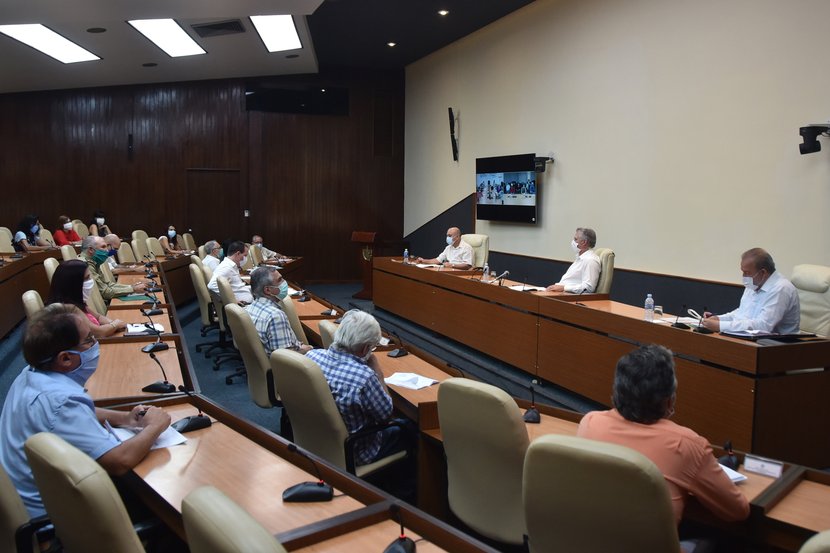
pixel 89 341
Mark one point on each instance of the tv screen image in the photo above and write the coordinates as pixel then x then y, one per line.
pixel 506 188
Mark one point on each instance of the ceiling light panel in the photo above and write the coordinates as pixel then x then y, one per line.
pixel 49 42
pixel 277 32
pixel 168 35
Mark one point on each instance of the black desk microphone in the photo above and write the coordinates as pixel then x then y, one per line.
pixel 677 323
pixel 307 492
pixel 400 351
pixel 191 422
pixel 402 544
pixel 532 415
pixel 160 386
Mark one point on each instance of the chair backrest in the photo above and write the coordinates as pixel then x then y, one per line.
pixel 6 231
pixel 215 524
pixel 820 543
pixel 32 303
pixel 154 247
pixel 139 248
pixel 13 514
pixel 226 297
pixel 80 497
pixel 207 272
pixel 485 442
pixel 202 252
pixel 81 228
pixel 481 247
pixel 291 312
pixel 68 253
pixel 196 260
pixel 139 235
pixel 106 272
pixel 606 270
pixel 256 255
pixel 249 260
pixel 813 285
pixel 46 234
pixel 50 264
pixel 202 294
pixel 257 365
pixel 315 420
pixel 188 242
pixel 574 487
pixel 96 301
pixel 327 330
pixel 125 254
pixel 6 242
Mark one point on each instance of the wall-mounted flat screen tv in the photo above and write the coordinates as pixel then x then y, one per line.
pixel 506 188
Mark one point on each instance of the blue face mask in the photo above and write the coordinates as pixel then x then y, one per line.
pixel 283 290
pixel 100 256
pixel 89 362
pixel 449 240
pixel 171 233
pixel 222 253
pixel 35 228
pixel 112 252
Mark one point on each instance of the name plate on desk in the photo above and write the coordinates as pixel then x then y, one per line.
pixel 760 465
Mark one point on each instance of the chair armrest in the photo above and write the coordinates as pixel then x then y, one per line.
pixel 40 526
pixel 349 444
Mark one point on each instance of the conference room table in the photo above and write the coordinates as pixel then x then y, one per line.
pixel 17 275
pixel 755 394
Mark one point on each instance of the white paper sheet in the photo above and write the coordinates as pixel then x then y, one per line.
pixel 169 437
pixel 526 287
pixel 733 475
pixel 411 381
pixel 140 329
pixel 426 265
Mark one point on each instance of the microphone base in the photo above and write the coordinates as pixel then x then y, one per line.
pixel 399 352
pixel 191 423
pixel 308 492
pixel 684 326
pixel 703 330
pixel 154 347
pixel 401 545
pixel 160 387
pixel 532 416
pixel 729 461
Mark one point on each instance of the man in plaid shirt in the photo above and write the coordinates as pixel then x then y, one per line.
pixel 356 382
pixel 275 332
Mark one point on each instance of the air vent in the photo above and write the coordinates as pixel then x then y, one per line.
pixel 218 28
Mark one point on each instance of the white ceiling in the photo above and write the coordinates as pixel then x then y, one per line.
pixel 123 50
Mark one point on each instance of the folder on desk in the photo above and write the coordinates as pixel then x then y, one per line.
pixel 143 329
pixel 411 381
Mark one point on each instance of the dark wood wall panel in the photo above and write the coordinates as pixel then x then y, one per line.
pixel 307 180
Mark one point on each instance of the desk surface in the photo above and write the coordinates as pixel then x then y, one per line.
pixel 372 538
pixel 807 505
pixel 123 369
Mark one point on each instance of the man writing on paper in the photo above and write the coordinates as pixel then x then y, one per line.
pixel 95 252
pixel 49 396
pixel 583 274
pixel 275 332
pixel 769 303
pixel 457 255
pixel 229 268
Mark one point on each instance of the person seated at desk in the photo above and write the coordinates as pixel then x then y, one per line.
pixel 583 274
pixel 170 242
pixel 72 284
pixel 356 381
pixel 94 252
pixel 457 255
pixel 769 302
pixel 27 238
pixel 267 255
pixel 644 397
pixel 229 268
pixel 275 332
pixel 49 396
pixel 113 244
pixel 213 254
pixel 65 234
pixel 97 226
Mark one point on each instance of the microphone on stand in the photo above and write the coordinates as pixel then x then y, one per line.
pixel 501 278
pixel 307 492
pixel 729 460
pixel 678 324
pixel 700 329
pixel 400 351
pixel 532 414
pixel 160 386
pixel 158 345
pixel 150 261
pixel 192 422
pixel 402 543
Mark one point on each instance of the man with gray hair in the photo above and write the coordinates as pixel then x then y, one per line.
pixel 213 254
pixel 267 255
pixel 583 274
pixel 94 252
pixel 769 303
pixel 275 332
pixel 457 255
pixel 356 381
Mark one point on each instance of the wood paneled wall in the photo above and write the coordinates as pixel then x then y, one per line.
pixel 307 180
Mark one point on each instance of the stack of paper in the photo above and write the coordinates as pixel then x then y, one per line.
pixel 426 265
pixel 410 381
pixel 527 288
pixel 733 475
pixel 169 437
pixel 142 329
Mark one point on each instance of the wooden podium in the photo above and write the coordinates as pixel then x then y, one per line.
pixel 367 240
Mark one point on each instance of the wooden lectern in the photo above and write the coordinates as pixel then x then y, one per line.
pixel 367 239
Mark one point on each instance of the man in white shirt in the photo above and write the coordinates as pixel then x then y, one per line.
pixel 267 255
pixel 213 254
pixel 457 255
pixel 769 304
pixel 229 268
pixel 583 274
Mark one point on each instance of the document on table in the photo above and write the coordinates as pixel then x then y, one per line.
pixel 169 437
pixel 426 265
pixel 527 288
pixel 733 475
pixel 411 381
pixel 668 319
pixel 142 329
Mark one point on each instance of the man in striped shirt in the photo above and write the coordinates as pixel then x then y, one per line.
pixel 275 332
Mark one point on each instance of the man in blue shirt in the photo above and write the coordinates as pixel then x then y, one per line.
pixel 49 396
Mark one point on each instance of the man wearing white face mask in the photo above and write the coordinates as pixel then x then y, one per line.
pixel 49 396
pixel 769 303
pixel 229 268
pixel 583 274
pixel 271 322
pixel 457 255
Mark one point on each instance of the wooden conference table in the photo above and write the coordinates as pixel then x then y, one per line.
pixel 757 396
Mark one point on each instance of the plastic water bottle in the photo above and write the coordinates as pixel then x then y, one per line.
pixel 485 277
pixel 406 258
pixel 649 315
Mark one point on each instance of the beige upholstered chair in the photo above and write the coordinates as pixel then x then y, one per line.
pixel 125 254
pixel 81 228
pixel 6 231
pixel 196 260
pixel 106 272
pixel 820 543
pixel 96 301
pixel 46 234
pixel 202 252
pixel 206 311
pixel 215 524
pixel 813 285
pixel 80 497
pixel 188 243
pixel 68 253
pixel 139 244
pixel 291 312
pixel 50 264
pixel 207 272
pixel 258 366
pixel 606 274
pixel 249 260
pixel 32 303
pixel 317 424
pixel 588 496
pixel 6 243
pixel 481 247
pixel 485 441
pixel 154 247
pixel 14 517
pixel 226 297
pixel 327 330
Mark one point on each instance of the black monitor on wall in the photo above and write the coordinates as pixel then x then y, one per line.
pixel 507 188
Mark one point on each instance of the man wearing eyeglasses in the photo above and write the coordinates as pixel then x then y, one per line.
pixel 49 396
pixel 271 323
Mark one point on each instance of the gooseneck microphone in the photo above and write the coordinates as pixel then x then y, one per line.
pixel 730 459
pixel 532 415
pixel 700 329
pixel 192 422
pixel 307 492
pixel 400 351
pixel 402 543
pixel 501 277
pixel 160 386
pixel 677 323
pixel 158 345
pixel 150 261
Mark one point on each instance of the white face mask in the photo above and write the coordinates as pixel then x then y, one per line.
pixel 99 220
pixel 574 246
pixel 87 291
pixel 748 283
pixel 67 226
pixel 449 240
pixel 244 260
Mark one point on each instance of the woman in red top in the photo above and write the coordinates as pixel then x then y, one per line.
pixel 65 234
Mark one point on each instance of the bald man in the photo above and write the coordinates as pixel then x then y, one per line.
pixel 457 255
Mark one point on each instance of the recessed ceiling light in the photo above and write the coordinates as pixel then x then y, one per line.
pixel 443 12
pixel 322 90
pixel 49 42
pixel 391 44
pixel 167 35
pixel 149 64
pixel 96 30
pixel 277 32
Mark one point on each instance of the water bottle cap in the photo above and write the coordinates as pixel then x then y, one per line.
pixel 648 295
